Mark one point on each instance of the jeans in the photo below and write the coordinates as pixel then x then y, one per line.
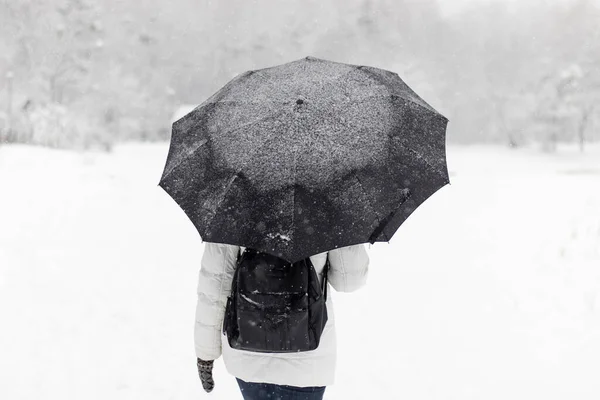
pixel 260 391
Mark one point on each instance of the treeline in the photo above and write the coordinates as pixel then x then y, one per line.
pixel 81 73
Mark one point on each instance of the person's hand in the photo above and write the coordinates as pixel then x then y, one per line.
pixel 205 373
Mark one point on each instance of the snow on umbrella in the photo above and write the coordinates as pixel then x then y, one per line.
pixel 305 157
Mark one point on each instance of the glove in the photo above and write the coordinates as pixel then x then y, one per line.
pixel 205 372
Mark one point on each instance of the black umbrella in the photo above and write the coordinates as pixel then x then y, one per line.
pixel 305 157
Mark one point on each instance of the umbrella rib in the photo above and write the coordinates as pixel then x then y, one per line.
pixel 267 81
pixel 426 107
pixel 223 196
pixel 294 192
pixel 420 157
pixel 369 203
pixel 232 179
pixel 402 97
pixel 181 157
pixel 243 102
pixel 345 73
pixel 223 91
pixel 378 78
pixel 413 101
pixel 274 113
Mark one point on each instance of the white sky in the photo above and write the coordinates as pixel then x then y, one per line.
pixel 450 7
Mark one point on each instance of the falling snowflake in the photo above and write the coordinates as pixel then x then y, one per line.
pixel 279 235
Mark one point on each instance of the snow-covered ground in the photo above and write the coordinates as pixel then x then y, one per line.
pixel 491 290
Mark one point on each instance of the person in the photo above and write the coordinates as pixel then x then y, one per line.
pixel 301 375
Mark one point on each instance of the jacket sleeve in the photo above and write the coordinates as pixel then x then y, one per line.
pixel 214 285
pixel 349 267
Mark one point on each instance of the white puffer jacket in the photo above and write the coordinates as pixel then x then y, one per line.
pixel 348 272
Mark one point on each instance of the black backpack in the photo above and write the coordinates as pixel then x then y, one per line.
pixel 275 306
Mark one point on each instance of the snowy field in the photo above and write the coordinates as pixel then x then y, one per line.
pixel 489 291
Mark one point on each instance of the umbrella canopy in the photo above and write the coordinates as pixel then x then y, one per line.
pixel 306 157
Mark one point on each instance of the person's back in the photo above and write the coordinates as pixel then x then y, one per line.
pixel 310 370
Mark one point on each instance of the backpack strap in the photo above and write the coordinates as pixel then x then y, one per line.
pixel 325 268
pixel 325 272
